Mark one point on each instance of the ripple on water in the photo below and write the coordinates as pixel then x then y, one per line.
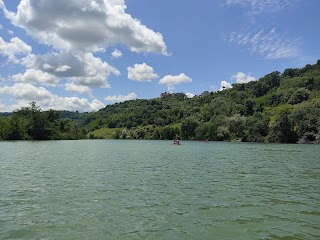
pixel 151 190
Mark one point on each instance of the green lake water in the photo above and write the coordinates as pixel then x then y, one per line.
pixel 109 189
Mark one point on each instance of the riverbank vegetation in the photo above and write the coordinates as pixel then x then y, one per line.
pixel 280 107
pixel 30 123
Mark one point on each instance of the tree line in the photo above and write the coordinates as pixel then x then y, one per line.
pixel 31 123
pixel 280 107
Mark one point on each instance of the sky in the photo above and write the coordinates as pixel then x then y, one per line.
pixel 81 55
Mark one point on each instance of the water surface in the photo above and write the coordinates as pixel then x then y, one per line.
pixel 108 189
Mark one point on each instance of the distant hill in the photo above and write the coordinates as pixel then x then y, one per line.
pixel 5 114
pixel 279 107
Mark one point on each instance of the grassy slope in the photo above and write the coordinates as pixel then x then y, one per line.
pixel 104 132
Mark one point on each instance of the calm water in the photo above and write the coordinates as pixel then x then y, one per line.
pixel 105 189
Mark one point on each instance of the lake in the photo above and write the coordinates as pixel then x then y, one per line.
pixel 130 189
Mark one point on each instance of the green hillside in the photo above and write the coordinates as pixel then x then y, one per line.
pixel 277 108
pixel 280 107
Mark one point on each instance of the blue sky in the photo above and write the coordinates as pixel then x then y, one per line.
pixel 82 55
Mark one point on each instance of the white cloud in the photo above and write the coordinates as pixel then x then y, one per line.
pixel 259 6
pixel 141 72
pixel 13 48
pixel 96 72
pixel 114 71
pixel 3 108
pixel 35 77
pixel 25 93
pixel 76 104
pixel 77 88
pixel 83 68
pixel 170 80
pixel 225 85
pixel 46 66
pixel 116 53
pixel 85 25
pixel 271 45
pixel 1 5
pixel 241 77
pixel 1 27
pixel 63 68
pixel 190 95
pixel 10 32
pixel 122 98
pixel 96 105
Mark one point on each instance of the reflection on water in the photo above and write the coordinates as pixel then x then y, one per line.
pixel 104 189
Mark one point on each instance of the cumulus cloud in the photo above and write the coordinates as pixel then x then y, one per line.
pixel 271 45
pixel 170 80
pixel 122 98
pixel 114 70
pixel 63 68
pixel 241 77
pixel 35 77
pixel 77 88
pixel 225 85
pixel 46 66
pixel 83 68
pixel 96 72
pixel 95 105
pixel 25 93
pixel 13 48
pixel 141 72
pixel 116 53
pixel 190 95
pixel 86 26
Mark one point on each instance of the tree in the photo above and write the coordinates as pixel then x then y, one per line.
pixel 206 131
pixel 170 133
pixel 282 130
pixel 257 127
pixel 249 107
pixel 188 127
pixel 299 96
pixel 37 125
pixel 306 120
pixel 223 134
pixel 220 106
pixel 4 128
pixel 18 129
pixel 236 125
pixel 291 72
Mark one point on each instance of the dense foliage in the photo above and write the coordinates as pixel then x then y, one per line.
pixel 30 123
pixel 278 108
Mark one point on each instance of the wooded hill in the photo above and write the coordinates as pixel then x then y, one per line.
pixel 280 107
pixel 277 108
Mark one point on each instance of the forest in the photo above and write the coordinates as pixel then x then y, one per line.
pixel 279 107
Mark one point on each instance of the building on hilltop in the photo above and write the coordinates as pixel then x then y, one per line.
pixel 204 94
pixel 165 95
